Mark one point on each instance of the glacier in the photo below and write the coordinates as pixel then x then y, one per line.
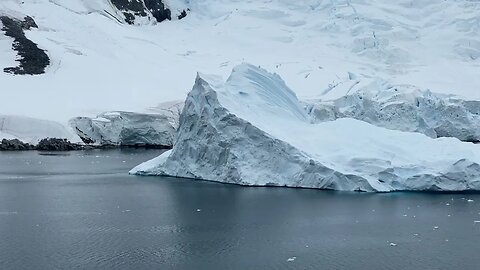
pixel 403 107
pixel 252 130
pixel 99 62
pixel 127 128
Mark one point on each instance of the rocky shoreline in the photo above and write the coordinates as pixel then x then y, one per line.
pixel 56 144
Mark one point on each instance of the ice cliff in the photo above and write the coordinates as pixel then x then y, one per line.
pixel 127 129
pixel 406 108
pixel 252 130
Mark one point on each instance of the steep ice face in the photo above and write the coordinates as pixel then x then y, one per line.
pixel 31 130
pixel 214 144
pixel 126 128
pixel 405 108
pixel 252 130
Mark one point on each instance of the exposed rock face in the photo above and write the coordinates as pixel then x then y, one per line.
pixel 126 129
pixel 252 130
pixel 140 10
pixel 32 60
pixel 55 144
pixel 15 145
pixel 158 10
pixel 405 108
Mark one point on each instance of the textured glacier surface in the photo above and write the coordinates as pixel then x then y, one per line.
pixel 99 64
pixel 405 108
pixel 127 128
pixel 252 130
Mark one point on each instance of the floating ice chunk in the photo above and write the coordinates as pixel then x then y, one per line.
pixel 291 259
pixel 252 130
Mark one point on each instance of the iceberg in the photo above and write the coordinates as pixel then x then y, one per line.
pixel 127 129
pixel 252 130
pixel 405 108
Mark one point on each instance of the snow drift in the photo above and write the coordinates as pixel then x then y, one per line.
pixel 252 130
pixel 126 129
pixel 406 108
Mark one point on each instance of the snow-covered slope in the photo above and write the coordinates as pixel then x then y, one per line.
pixel 100 63
pixel 252 130
pixel 404 107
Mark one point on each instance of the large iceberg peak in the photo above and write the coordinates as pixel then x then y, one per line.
pixel 260 91
pixel 252 130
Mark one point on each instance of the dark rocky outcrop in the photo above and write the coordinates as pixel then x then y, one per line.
pixel 145 8
pixel 54 144
pixel 15 145
pixel 158 10
pixel 182 14
pixel 130 9
pixel 32 60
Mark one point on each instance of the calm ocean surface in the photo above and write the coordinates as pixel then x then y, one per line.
pixel 81 210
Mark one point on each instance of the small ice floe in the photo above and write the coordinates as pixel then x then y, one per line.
pixel 470 200
pixel 199 210
pixel 435 228
pixel 291 259
pixel 405 215
pixel 446 240
pixel 447 204
pixel 306 246
pixel 449 215
pixel 476 221
pixel 126 210
pixel 393 244
pixel 415 234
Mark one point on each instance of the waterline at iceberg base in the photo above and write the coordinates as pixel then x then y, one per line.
pixel 252 130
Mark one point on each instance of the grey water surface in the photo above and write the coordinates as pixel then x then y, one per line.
pixel 81 210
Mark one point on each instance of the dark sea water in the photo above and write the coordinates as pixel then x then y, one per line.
pixel 81 210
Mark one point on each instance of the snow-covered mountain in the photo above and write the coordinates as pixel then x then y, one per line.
pixel 99 62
